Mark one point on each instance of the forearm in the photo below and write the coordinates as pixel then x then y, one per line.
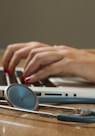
pixel 89 50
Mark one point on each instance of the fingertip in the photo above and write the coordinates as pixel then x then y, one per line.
pixel 4 69
pixel 7 71
pixel 30 79
pixel 27 79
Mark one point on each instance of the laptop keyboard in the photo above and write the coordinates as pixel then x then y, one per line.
pixel 5 80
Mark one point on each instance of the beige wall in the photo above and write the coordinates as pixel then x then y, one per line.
pixel 70 22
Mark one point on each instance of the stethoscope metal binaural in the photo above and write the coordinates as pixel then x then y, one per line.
pixel 22 98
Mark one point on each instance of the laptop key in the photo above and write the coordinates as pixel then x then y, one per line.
pixel 47 83
pixel 12 78
pixel 2 78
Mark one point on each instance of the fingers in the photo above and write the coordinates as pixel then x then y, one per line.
pixel 17 56
pixel 49 70
pixel 62 50
pixel 41 59
pixel 9 53
pixel 15 52
pixel 35 51
pixel 62 66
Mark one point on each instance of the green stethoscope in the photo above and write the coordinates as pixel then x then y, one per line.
pixel 22 98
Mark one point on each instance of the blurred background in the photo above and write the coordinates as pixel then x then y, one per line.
pixel 69 22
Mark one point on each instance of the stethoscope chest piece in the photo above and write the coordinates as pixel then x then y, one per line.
pixel 21 96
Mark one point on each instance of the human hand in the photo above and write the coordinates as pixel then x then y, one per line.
pixel 15 52
pixel 43 60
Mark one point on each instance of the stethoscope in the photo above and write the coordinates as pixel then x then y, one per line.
pixel 21 98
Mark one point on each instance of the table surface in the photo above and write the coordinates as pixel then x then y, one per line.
pixel 21 124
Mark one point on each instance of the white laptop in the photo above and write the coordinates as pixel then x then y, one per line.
pixel 55 89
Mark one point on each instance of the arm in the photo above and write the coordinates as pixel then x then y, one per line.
pixel 89 50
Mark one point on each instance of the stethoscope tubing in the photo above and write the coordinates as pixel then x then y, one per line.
pixel 76 118
pixel 80 111
pixel 66 100
pixel 61 117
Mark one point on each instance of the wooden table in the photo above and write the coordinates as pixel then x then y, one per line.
pixel 21 124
